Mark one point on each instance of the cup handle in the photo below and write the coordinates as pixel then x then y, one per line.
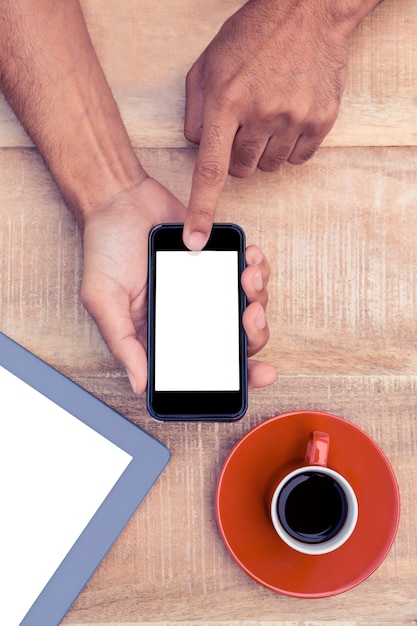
pixel 318 449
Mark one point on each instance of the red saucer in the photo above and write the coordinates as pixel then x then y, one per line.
pixel 244 522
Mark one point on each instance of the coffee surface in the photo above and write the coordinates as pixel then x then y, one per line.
pixel 312 507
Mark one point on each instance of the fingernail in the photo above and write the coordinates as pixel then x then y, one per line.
pixel 131 380
pixel 196 241
pixel 260 320
pixel 258 281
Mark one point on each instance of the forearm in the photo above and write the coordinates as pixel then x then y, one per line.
pixel 51 76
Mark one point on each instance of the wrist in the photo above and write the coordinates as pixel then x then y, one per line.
pixel 91 183
pixel 137 203
pixel 347 14
pixel 95 160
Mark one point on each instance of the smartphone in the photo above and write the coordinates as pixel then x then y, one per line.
pixel 197 354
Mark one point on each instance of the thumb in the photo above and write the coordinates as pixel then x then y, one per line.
pixel 113 319
pixel 209 177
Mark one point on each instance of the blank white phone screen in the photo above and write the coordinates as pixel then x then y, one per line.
pixel 197 321
pixel 55 472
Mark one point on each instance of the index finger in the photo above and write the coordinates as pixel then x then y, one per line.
pixel 209 177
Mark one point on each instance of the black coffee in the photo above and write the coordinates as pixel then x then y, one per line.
pixel 312 507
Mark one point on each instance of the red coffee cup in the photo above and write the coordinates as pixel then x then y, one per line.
pixel 313 508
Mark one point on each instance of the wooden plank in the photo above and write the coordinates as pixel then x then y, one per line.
pixel 340 235
pixel 147 48
pixel 254 623
pixel 170 562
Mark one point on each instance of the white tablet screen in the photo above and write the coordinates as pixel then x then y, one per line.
pixel 55 472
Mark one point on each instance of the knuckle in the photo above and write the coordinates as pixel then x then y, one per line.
pixel 273 161
pixel 321 120
pixel 299 115
pixel 312 118
pixel 229 96
pixel 210 173
pixel 192 134
pixel 190 76
pixel 308 153
pixel 86 296
pixel 305 150
pixel 193 78
pixel 245 158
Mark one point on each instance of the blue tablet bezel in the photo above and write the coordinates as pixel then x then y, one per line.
pixel 149 458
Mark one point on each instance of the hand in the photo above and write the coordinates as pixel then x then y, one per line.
pixel 114 284
pixel 254 282
pixel 266 90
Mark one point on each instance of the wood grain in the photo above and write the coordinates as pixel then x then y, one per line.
pixel 170 562
pixel 340 234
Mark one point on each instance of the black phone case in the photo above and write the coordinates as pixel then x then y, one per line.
pixel 183 406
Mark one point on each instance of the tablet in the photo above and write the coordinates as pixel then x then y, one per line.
pixel 72 473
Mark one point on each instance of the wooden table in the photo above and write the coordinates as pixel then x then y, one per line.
pixel 340 232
